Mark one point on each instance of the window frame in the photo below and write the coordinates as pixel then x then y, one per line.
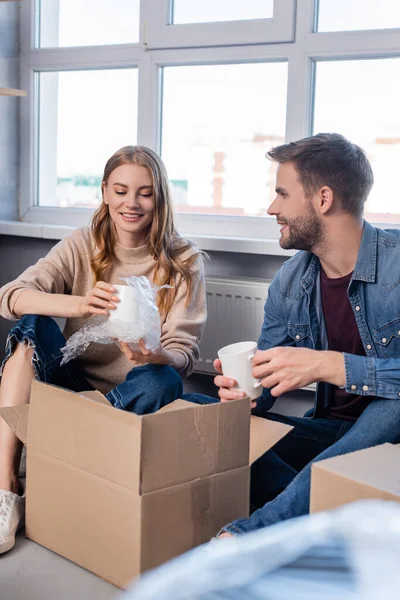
pixel 160 34
pixel 301 54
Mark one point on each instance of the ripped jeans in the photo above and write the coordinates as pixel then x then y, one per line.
pixel 145 389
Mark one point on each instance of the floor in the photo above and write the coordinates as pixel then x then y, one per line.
pixel 30 572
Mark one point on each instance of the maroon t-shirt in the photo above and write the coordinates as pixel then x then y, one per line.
pixel 343 336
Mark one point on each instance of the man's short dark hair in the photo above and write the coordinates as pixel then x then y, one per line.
pixel 330 159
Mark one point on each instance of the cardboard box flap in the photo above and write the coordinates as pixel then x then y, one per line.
pixel 17 418
pixel 89 436
pixel 190 441
pixel 363 474
pixel 176 405
pixel 263 435
pixel 374 467
pixel 96 396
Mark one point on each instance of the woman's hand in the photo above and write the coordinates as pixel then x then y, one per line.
pixel 155 356
pixel 143 356
pixel 98 301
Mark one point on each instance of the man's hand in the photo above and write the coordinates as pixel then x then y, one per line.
pixel 283 369
pixel 225 535
pixel 225 383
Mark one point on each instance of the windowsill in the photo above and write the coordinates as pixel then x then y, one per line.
pixel 205 242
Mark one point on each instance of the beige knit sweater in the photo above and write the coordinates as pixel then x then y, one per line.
pixel 66 270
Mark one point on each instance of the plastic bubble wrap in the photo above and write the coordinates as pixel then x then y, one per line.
pixel 352 553
pixel 103 330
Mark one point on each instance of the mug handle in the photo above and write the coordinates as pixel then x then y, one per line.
pixel 255 385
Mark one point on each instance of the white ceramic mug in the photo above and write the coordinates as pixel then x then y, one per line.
pixel 126 308
pixel 237 363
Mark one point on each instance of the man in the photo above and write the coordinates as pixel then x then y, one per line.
pixel 332 316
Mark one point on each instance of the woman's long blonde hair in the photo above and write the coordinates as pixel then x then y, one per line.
pixel 166 246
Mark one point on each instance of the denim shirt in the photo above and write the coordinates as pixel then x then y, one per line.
pixel 294 316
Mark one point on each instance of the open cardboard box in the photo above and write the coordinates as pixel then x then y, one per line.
pixel 119 493
pixel 369 473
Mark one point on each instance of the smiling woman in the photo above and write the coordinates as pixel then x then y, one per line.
pixel 136 211
pixel 128 192
pixel 132 234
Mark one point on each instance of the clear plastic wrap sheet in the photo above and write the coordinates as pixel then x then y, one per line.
pixel 351 553
pixel 144 325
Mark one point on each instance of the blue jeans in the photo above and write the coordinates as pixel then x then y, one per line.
pixel 280 479
pixel 145 389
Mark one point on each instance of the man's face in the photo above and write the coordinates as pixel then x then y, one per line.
pixel 301 227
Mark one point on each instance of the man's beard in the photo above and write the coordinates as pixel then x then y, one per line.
pixel 304 232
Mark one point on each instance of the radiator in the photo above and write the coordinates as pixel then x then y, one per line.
pixel 235 314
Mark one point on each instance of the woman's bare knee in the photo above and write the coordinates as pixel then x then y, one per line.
pixel 23 350
pixel 19 363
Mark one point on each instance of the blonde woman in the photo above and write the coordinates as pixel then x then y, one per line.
pixel 132 233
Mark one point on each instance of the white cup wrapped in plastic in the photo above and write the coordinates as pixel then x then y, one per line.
pixel 126 309
pixel 135 318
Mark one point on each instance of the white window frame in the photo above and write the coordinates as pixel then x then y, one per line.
pixel 160 33
pixel 301 55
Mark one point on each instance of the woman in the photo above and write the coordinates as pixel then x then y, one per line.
pixel 132 233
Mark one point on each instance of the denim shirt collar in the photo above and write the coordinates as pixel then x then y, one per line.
pixel 309 277
pixel 365 269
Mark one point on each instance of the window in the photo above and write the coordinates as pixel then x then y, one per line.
pixel 215 167
pixel 211 85
pixel 354 15
pixel 363 104
pixel 206 23
pixel 208 11
pixel 84 116
pixel 65 23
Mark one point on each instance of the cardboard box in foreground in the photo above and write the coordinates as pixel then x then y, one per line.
pixel 369 473
pixel 119 493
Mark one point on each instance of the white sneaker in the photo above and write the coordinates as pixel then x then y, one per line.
pixel 12 512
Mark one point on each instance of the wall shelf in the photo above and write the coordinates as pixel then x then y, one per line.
pixel 11 91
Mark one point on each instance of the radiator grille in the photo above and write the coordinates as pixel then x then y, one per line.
pixel 235 314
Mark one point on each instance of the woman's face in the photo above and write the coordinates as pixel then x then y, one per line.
pixel 130 197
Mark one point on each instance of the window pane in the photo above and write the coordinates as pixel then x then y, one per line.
pixel 360 99
pixel 218 122
pixel 206 11
pixel 87 22
pixel 84 117
pixel 354 15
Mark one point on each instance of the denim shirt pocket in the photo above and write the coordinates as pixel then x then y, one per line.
pixel 300 335
pixel 387 338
